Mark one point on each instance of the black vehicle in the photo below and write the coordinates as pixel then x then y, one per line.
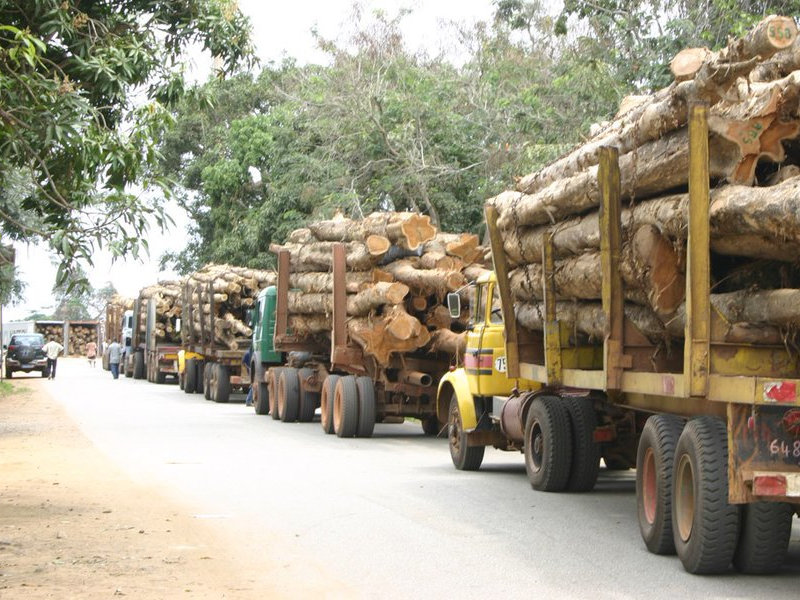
pixel 24 353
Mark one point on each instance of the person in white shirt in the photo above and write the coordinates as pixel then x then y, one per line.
pixel 52 349
pixel 114 357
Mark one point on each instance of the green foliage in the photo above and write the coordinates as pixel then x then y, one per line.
pixel 72 141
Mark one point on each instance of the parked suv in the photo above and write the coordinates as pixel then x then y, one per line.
pixel 24 353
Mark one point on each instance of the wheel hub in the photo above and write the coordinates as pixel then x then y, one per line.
pixel 684 497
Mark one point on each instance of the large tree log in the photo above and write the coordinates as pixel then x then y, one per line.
pixel 449 342
pixel 660 113
pixel 358 305
pixel 378 336
pixel 425 282
pixel 408 230
pixel 319 256
pixel 316 283
pixel 758 222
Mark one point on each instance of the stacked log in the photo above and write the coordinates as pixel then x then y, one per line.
pixel 217 298
pixel 399 270
pixel 115 309
pixel 752 90
pixel 167 297
pixel 81 334
pixel 51 331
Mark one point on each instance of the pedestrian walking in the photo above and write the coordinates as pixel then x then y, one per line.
pixel 91 353
pixel 114 357
pixel 52 349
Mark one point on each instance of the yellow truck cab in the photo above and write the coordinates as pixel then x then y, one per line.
pixel 471 397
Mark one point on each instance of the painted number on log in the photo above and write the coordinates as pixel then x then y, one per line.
pixel 500 364
pixel 751 134
pixel 780 33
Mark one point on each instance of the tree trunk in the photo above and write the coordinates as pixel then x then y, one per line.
pixel 662 112
pixel 318 256
pixel 425 282
pixel 449 342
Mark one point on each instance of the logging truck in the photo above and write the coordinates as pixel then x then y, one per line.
pixel 154 347
pixel 208 365
pixel 118 325
pixel 711 423
pixel 296 371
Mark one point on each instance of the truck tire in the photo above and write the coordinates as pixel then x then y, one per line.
pixel 190 375
pixel 326 402
pixel 308 400
pixel 548 444
pixel 288 395
pixel 766 528
pixel 138 365
pixel 705 526
pixel 10 373
pixel 207 368
pixel 465 458
pixel 273 376
pixel 260 392
pixel 199 369
pixel 585 451
pixel 345 407
pixel 222 389
pixel 654 465
pixel 160 376
pixel 366 407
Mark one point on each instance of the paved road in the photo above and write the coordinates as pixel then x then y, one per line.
pixel 387 516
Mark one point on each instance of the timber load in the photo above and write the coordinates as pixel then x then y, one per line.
pixel 751 89
pixel 167 298
pixel 216 300
pixel 80 334
pixel 399 270
pixel 115 310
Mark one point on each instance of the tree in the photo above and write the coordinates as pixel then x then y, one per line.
pixel 84 88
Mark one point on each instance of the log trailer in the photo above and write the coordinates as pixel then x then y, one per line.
pixel 351 388
pixel 149 357
pixel 712 427
pixel 209 367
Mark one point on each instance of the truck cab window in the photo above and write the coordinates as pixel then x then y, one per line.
pixel 479 307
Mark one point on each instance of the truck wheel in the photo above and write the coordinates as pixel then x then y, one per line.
pixel 138 365
pixel 326 402
pixel 222 389
pixel 548 444
pixel 366 407
pixel 308 400
pixel 465 458
pixel 260 393
pixel 585 451
pixel 272 386
pixel 181 378
pixel 160 376
pixel 345 407
pixel 288 395
pixel 190 375
pixel 766 528
pixel 207 380
pixel 10 373
pixel 705 526
pixel 654 464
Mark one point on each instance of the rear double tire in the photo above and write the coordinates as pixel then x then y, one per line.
pixel 326 402
pixel 705 526
pixel 260 392
pixel 654 465
pixel 585 451
pixel 345 407
pixel 138 365
pixel 288 395
pixel 366 407
pixel 273 375
pixel 190 375
pixel 766 528
pixel 222 388
pixel 548 444
pixel 207 380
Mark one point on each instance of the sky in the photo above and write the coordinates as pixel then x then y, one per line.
pixel 280 29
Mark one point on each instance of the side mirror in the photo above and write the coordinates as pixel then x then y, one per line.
pixel 177 325
pixel 454 305
pixel 248 315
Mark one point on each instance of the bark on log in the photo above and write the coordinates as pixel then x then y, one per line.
pixel 449 342
pixel 655 167
pixel 317 283
pixel 408 230
pixel 758 222
pixel 318 256
pixel 662 112
pixel 425 282
pixel 358 305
